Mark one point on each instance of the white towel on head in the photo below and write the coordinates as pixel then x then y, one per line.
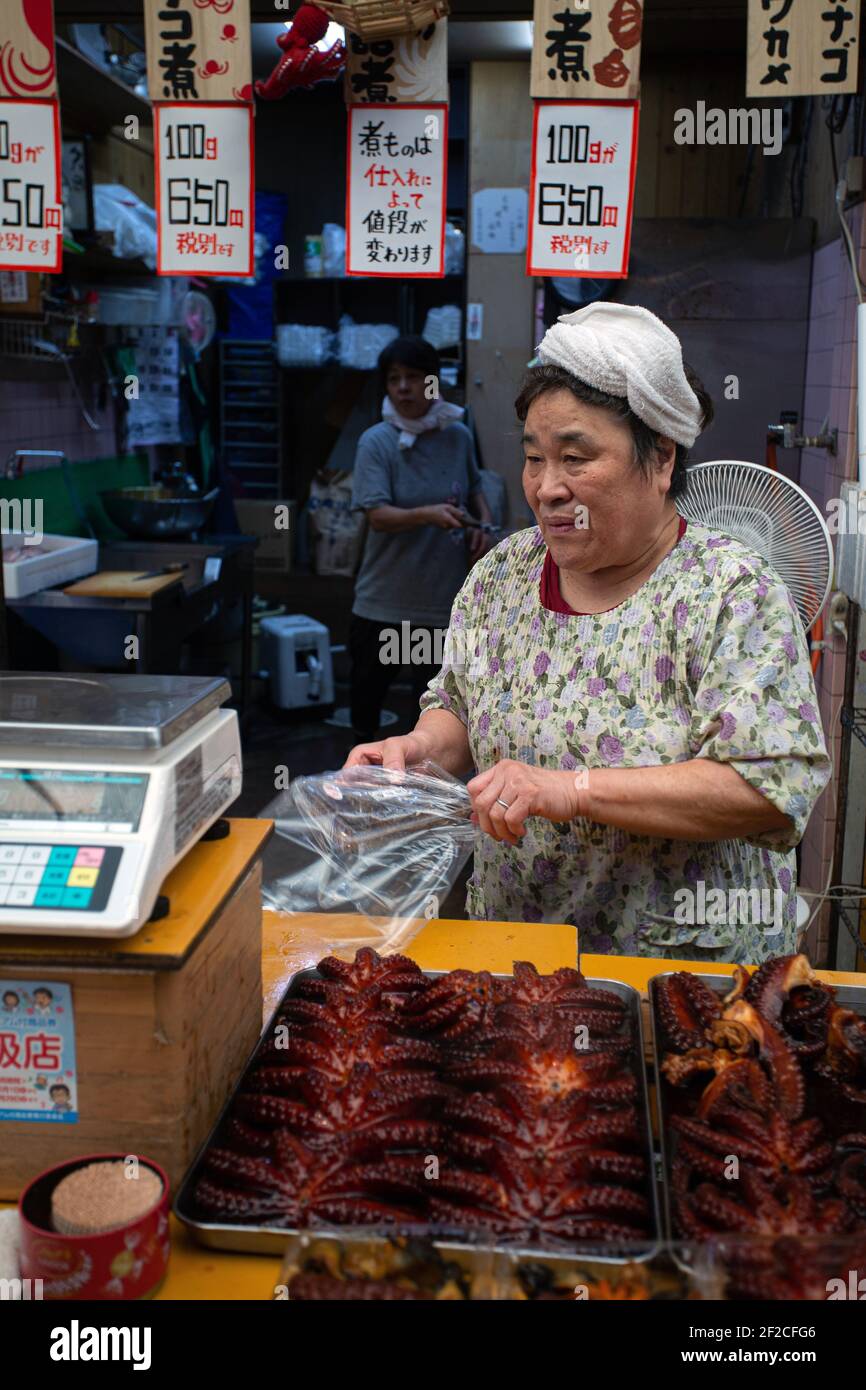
pixel 627 351
pixel 440 414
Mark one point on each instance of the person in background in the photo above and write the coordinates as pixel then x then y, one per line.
pixel 417 479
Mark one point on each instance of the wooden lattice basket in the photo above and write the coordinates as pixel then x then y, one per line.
pixel 384 19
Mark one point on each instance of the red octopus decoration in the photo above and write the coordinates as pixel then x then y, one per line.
pixel 303 64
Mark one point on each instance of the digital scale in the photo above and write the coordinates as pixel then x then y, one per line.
pixel 105 783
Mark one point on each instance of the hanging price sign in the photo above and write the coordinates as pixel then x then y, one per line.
pixel 581 190
pixel 204 188
pixel 395 195
pixel 31 206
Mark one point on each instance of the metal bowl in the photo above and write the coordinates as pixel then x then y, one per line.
pixel 156 513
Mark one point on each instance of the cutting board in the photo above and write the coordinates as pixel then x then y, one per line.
pixel 121 584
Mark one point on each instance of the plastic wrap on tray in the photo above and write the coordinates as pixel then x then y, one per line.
pixel 379 846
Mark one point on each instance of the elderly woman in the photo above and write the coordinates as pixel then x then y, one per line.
pixel 634 694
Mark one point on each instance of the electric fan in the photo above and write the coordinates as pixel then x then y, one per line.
pixel 771 515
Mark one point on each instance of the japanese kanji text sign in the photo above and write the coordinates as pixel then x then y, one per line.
pixel 204 188
pixel 586 48
pixel 582 188
pixel 27 63
pixel 198 50
pixel 802 48
pixel 31 206
pixel 406 68
pixel 395 193
pixel 38 1078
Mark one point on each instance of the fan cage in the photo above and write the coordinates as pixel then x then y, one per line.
pixel 769 514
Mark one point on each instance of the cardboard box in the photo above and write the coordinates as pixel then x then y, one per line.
pixel 259 518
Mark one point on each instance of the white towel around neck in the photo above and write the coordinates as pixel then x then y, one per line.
pixel 441 414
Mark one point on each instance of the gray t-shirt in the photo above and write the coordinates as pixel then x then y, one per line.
pixel 412 576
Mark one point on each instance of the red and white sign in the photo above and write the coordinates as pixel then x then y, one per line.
pixel 581 192
pixel 204 188
pixel 31 205
pixel 395 191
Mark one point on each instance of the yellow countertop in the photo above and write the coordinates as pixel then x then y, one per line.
pixel 198 1273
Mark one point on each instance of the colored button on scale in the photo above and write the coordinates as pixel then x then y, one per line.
pixel 48 897
pixel 62 854
pixel 76 897
pixel 89 857
pixel 82 878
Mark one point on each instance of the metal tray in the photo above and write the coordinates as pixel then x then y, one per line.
pixel 849 996
pixel 272 1240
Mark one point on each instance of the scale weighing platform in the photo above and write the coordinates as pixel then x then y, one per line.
pixel 105 783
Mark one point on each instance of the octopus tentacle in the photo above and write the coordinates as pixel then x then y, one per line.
pixel 686 1008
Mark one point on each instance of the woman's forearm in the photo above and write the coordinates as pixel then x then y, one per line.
pixel 695 800
pixel 395 519
pixel 445 740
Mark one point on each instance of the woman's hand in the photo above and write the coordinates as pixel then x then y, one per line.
pixel 527 791
pixel 444 515
pixel 398 753
pixel 479 543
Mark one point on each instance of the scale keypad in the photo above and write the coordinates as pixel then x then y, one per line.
pixel 77 877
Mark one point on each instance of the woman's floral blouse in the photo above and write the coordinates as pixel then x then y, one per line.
pixel 708 659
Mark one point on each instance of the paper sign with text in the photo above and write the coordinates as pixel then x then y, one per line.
pixel 38 1078
pixel 198 50
pixel 204 189
pixel 31 205
pixel 395 192
pixel 581 189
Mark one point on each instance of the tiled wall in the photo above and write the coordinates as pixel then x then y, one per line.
pixel 43 413
pixel 829 391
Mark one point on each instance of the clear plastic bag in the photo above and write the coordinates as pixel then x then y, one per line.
pixel 442 326
pixel 303 345
pixel 116 209
pixel 377 848
pixel 455 249
pixel 333 249
pixel 359 344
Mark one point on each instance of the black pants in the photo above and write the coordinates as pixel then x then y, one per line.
pixel 371 677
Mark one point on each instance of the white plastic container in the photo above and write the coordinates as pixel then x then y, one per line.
pixel 56 560
pixel 296 653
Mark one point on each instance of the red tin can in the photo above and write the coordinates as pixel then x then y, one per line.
pixel 127 1262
